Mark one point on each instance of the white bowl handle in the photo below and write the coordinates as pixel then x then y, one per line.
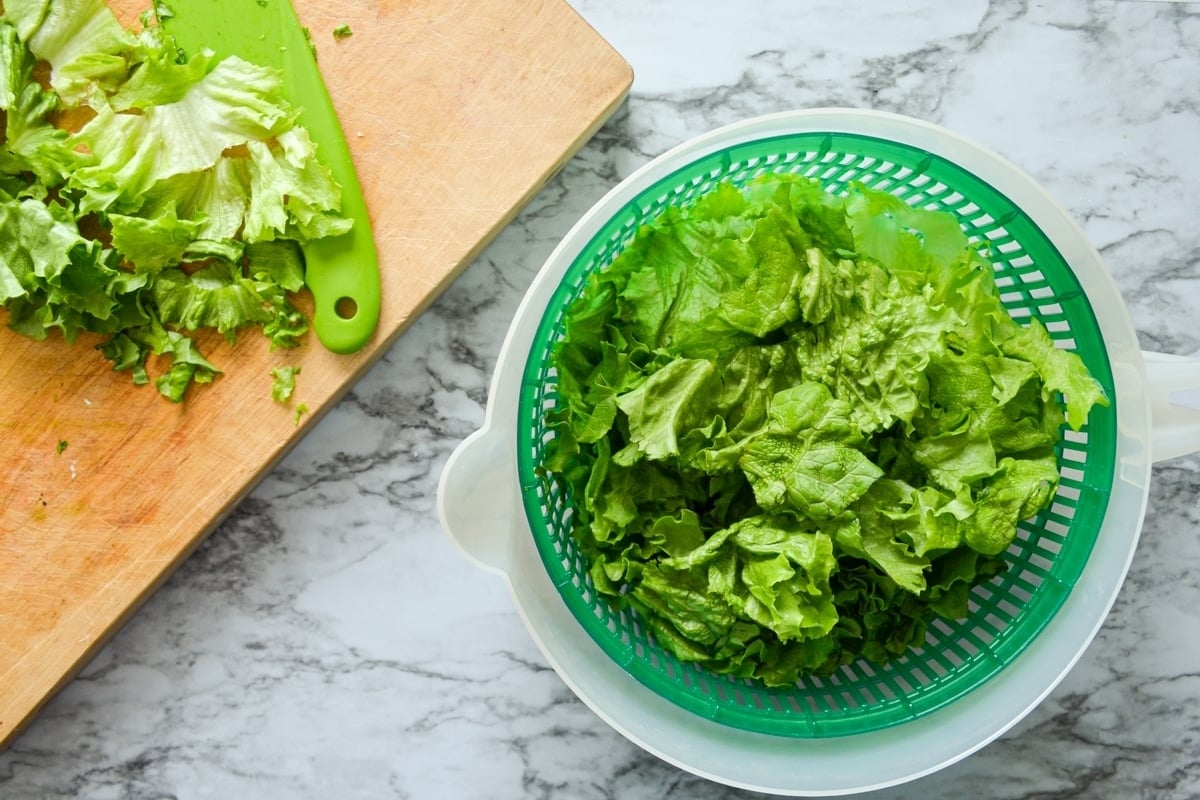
pixel 476 498
pixel 1174 386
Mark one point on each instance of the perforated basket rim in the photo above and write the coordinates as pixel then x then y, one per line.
pixel 1101 442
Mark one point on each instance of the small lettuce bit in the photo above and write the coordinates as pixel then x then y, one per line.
pixel 283 383
pixel 146 196
pixel 797 426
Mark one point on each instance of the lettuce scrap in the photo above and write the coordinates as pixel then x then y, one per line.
pixel 283 383
pixel 797 426
pixel 145 195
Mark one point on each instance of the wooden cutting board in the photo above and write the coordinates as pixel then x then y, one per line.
pixel 456 114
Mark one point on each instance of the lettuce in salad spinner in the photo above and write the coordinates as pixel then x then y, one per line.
pixel 796 426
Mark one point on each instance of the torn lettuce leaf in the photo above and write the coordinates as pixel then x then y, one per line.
pixel 291 193
pixel 283 383
pixel 233 105
pixel 85 45
pixel 32 144
pixel 797 426
pixel 151 243
pixel 808 460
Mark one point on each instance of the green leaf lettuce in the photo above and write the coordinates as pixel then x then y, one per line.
pixel 797 427
pixel 147 196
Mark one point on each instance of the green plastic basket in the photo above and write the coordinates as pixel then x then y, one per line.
pixel 1045 560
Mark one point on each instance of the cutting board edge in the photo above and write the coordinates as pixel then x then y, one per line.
pixel 84 657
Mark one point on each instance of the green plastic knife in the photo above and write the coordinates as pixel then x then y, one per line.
pixel 343 271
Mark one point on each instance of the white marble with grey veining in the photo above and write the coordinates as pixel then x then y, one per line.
pixel 328 642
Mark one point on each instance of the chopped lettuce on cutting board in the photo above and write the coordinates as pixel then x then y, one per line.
pixel 146 194
pixel 796 426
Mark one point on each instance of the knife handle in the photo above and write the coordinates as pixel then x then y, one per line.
pixel 346 292
pixel 342 272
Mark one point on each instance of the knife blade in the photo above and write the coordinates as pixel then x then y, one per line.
pixel 342 272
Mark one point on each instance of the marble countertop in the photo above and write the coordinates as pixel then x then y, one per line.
pixel 327 641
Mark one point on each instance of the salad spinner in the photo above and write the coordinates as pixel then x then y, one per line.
pixel 866 726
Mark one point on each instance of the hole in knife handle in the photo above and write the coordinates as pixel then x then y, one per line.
pixel 345 307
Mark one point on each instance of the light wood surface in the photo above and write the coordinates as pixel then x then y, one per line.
pixel 456 114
